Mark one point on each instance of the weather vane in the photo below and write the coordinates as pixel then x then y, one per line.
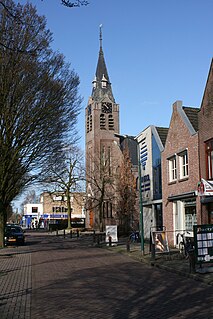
pixel 101 34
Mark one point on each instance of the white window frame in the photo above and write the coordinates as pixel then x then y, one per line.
pixel 183 164
pixel 172 169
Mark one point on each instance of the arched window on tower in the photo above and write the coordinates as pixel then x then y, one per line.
pixel 111 122
pixel 87 124
pixel 102 121
pixel 90 123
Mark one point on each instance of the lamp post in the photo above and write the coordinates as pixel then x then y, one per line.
pixel 141 201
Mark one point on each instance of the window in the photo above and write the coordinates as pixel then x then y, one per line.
pixel 90 123
pixel 190 215
pixel 111 122
pixel 107 209
pixel 209 158
pixel 183 162
pixel 109 159
pixel 172 169
pixel 102 121
pixel 87 124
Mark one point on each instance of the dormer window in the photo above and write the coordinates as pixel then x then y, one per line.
pixel 94 82
pixel 104 82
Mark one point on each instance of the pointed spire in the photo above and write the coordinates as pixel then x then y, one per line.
pixel 100 35
pixel 99 90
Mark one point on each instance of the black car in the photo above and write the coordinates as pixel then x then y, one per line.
pixel 14 234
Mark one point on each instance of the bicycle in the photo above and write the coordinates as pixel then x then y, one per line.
pixel 185 245
pixel 134 237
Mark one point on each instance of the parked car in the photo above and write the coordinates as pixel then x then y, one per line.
pixel 14 234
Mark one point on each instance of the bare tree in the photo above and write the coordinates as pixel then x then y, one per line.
pixel 66 3
pixel 65 175
pixel 71 4
pixel 100 179
pixel 126 191
pixel 39 101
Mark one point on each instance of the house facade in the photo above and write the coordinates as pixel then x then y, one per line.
pixel 32 215
pixel 52 209
pixel 151 143
pixel 180 172
pixel 205 185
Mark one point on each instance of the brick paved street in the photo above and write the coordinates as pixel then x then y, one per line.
pixel 72 279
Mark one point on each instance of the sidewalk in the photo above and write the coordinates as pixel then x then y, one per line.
pixel 172 262
pixel 16 267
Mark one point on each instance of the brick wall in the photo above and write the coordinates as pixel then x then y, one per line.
pixel 206 133
pixel 178 139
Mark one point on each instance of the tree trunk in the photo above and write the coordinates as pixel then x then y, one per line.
pixel 69 210
pixel 2 223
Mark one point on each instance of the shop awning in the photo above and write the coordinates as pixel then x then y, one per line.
pixel 205 188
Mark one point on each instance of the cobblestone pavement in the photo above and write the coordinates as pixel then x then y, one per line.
pixel 55 277
pixel 15 284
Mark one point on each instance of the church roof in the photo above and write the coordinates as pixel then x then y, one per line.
pixel 129 142
pixel 101 84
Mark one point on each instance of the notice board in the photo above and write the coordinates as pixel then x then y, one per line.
pixel 203 235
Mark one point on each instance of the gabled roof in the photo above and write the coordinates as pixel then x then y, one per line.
pixel 209 83
pixel 162 132
pixel 192 114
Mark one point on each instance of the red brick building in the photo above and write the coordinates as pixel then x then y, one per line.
pixel 180 172
pixel 206 151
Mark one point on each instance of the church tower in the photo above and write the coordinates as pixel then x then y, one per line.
pixel 102 147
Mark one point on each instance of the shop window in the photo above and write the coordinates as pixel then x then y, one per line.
pixel 190 216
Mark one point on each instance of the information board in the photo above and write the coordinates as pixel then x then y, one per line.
pixel 203 235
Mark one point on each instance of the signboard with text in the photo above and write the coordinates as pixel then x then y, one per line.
pixel 203 235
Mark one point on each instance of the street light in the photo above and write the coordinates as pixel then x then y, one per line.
pixel 140 200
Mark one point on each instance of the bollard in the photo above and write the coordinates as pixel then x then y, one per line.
pixel 64 233
pixel 98 239
pixel 77 233
pixel 191 254
pixel 56 232
pixel 128 245
pixel 152 251
pixel 70 233
pixel 110 241
pixel 94 238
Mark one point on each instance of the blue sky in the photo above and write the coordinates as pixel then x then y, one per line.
pixel 156 52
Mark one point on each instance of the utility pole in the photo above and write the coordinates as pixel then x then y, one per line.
pixel 141 201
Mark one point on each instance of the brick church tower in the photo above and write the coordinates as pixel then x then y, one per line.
pixel 103 153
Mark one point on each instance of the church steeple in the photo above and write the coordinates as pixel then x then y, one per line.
pixel 101 83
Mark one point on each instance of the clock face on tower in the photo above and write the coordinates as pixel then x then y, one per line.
pixel 106 107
